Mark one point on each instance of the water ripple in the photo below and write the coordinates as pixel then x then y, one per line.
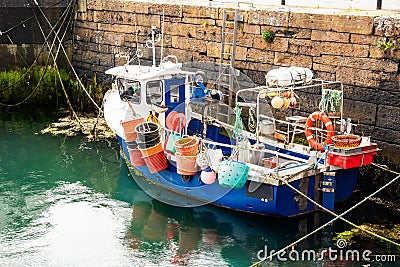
pixel 78 228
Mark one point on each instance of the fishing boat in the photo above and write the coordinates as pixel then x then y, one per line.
pixel 249 149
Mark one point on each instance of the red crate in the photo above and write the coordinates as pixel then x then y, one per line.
pixel 352 160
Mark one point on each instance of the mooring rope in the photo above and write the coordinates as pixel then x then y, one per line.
pixel 384 167
pixel 68 60
pixel 38 55
pixel 55 59
pixel 334 214
pixel 328 223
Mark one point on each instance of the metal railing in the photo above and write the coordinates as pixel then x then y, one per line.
pixel 378 4
pixel 339 4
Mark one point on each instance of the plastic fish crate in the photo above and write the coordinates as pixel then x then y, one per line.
pixel 352 160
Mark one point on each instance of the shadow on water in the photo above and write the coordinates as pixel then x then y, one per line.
pixel 34 168
pixel 208 234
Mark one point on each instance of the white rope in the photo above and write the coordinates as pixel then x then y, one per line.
pixel 69 62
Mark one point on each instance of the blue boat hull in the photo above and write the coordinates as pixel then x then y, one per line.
pixel 276 201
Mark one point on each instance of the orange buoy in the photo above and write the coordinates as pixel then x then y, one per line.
pixel 319 116
pixel 176 121
pixel 170 118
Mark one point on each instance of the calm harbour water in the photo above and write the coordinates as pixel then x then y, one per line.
pixel 68 202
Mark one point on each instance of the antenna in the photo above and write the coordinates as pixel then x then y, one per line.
pixel 162 35
pixel 153 43
pixel 139 52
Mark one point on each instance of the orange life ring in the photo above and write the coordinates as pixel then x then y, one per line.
pixel 315 116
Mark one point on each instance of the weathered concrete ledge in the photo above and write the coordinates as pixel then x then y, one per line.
pixel 335 44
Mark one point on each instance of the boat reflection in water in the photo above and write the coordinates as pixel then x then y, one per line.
pixel 163 235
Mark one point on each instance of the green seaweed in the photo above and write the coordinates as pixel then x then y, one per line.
pixel 41 85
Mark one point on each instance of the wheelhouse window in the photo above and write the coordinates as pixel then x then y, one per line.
pixel 129 90
pixel 154 92
pixel 174 93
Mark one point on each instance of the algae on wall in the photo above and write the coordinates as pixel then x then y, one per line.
pixel 41 85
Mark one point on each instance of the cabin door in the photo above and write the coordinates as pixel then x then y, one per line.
pixel 175 95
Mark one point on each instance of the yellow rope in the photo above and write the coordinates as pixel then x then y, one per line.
pixel 384 167
pixel 152 118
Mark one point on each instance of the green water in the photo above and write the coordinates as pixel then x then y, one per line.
pixel 68 202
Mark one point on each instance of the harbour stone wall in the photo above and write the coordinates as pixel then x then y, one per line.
pixel 21 39
pixel 358 48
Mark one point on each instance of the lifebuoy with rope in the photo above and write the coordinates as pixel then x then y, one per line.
pixel 319 116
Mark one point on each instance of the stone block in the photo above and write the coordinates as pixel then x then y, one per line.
pixel 189 44
pixel 196 56
pixel 213 49
pixel 327 76
pixel 358 63
pixel 246 65
pixel 363 39
pixel 260 56
pixel 127 29
pixel 365 78
pixel 279 44
pixel 182 55
pixel 336 23
pixel 81 6
pixel 113 38
pixel 376 52
pixel 324 68
pixel 209 33
pixel 82 34
pixel 253 29
pixel 338 37
pixel 171 10
pixel 142 20
pixel 304 20
pixel 359 112
pixel 391 151
pixel 389 82
pixel 200 11
pixel 101 16
pixel 388 26
pixel 301 33
pixel 373 95
pixel 90 57
pixel 381 53
pixel 258 77
pixel 289 59
pixel 199 22
pixel 181 29
pixel 85 25
pixel 94 4
pixel 90 15
pixel 244 39
pixel 268 17
pixel 106 60
pixel 353 24
pixel 304 47
pixel 119 61
pixel 106 5
pixel 241 53
pixel 388 117
pixel 353 50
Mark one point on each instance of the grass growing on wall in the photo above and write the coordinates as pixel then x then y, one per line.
pixel 40 85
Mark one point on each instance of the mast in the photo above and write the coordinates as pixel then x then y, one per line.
pixel 153 43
